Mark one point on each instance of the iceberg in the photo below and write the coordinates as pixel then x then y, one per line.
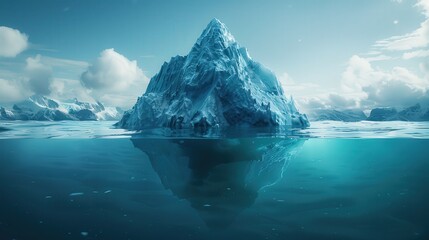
pixel 217 84
pixel 41 108
pixel 414 113
pixel 349 115
pixel 220 178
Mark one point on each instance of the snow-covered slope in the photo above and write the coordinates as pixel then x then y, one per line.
pixel 216 85
pixel 41 108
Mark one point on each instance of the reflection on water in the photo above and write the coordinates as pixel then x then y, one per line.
pixel 214 189
pixel 219 177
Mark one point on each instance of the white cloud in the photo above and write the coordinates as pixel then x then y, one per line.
pixel 375 87
pixel 424 6
pixel 61 62
pixel 290 87
pixel 387 93
pixel 114 79
pixel 64 68
pixel 111 71
pixel 341 102
pixel 310 96
pixel 365 86
pixel 307 104
pixel 424 67
pixel 380 57
pixel 64 89
pixel 415 54
pixel 418 38
pixel 359 72
pixel 10 91
pixel 12 42
pixel 40 76
pixel 328 101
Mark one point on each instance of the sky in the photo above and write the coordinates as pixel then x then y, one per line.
pixel 326 54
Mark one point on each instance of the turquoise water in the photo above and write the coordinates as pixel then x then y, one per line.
pixel 225 188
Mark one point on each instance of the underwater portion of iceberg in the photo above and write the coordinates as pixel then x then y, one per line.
pixel 219 177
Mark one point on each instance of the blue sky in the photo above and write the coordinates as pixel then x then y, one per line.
pixel 326 53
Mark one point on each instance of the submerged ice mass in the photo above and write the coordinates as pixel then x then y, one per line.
pixel 219 177
pixel 216 85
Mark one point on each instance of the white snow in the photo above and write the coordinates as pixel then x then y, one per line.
pixel 39 107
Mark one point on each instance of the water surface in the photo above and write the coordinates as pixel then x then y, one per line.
pixel 212 188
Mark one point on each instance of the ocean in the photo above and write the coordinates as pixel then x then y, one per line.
pixel 87 180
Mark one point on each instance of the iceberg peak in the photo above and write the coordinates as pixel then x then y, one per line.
pixel 216 85
pixel 216 34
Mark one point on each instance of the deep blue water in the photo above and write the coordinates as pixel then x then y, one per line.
pixel 241 188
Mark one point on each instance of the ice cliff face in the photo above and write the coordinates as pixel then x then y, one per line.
pixel 216 85
pixel 41 108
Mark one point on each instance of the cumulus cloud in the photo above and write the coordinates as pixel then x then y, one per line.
pixel 64 88
pixel 341 102
pixel 397 87
pixel 40 76
pixel 311 96
pixel 297 89
pixel 328 101
pixel 366 86
pixel 359 72
pixel 12 42
pixel 111 71
pixel 387 93
pixel 308 104
pixel 372 86
pixel 10 91
pixel 114 79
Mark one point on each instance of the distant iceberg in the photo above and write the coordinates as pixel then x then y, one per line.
pixel 216 85
pixel 348 115
pixel 414 113
pixel 41 108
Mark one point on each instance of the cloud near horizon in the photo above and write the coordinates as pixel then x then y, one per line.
pixel 114 79
pixel 10 91
pixel 398 87
pixel 365 84
pixel 39 76
pixel 12 42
